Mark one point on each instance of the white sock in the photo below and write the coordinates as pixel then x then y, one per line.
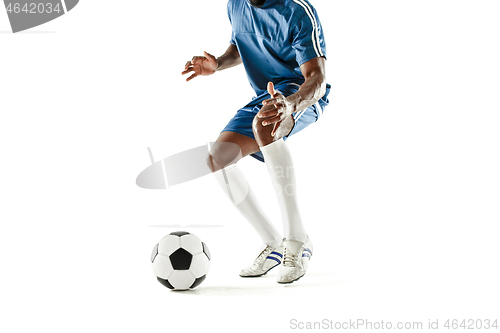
pixel 235 185
pixel 280 165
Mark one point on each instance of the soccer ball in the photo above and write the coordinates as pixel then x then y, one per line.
pixel 180 261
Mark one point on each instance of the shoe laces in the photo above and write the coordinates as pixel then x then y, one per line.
pixel 263 255
pixel 289 259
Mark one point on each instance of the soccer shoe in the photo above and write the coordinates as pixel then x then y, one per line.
pixel 269 258
pixel 296 256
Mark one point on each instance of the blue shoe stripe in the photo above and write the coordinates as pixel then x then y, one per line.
pixel 308 250
pixel 275 259
pixel 278 254
pixel 307 255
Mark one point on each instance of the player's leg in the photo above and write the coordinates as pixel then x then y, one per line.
pixel 227 150
pixel 281 169
pixel 297 247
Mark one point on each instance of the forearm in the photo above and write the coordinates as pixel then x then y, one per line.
pixel 229 59
pixel 309 93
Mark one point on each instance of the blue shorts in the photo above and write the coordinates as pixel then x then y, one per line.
pixel 242 121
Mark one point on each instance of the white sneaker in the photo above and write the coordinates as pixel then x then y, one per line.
pixel 269 258
pixel 296 256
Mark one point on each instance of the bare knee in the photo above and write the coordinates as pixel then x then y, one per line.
pixel 222 155
pixel 262 133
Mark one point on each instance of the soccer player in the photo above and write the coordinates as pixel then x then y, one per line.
pixel 282 47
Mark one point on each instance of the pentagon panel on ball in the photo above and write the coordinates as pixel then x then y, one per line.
pixel 180 261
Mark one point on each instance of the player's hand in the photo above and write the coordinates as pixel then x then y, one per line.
pixel 281 109
pixel 205 65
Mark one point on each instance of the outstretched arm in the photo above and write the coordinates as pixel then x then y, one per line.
pixel 229 59
pixel 208 64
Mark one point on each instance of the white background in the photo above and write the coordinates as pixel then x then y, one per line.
pixel 399 181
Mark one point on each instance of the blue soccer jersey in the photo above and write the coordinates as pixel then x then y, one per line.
pixel 273 41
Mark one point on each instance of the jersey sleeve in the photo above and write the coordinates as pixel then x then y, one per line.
pixel 232 41
pixel 229 10
pixel 307 36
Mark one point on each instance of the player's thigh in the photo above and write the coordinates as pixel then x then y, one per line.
pixel 229 148
pixel 246 144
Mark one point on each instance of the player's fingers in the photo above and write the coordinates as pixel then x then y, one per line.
pixel 270 89
pixel 186 66
pixel 191 77
pixel 208 55
pixel 271 121
pixel 274 109
pixel 196 59
pixel 188 70
pixel 271 101
pixel 269 113
pixel 275 128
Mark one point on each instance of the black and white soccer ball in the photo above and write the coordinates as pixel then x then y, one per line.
pixel 180 261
